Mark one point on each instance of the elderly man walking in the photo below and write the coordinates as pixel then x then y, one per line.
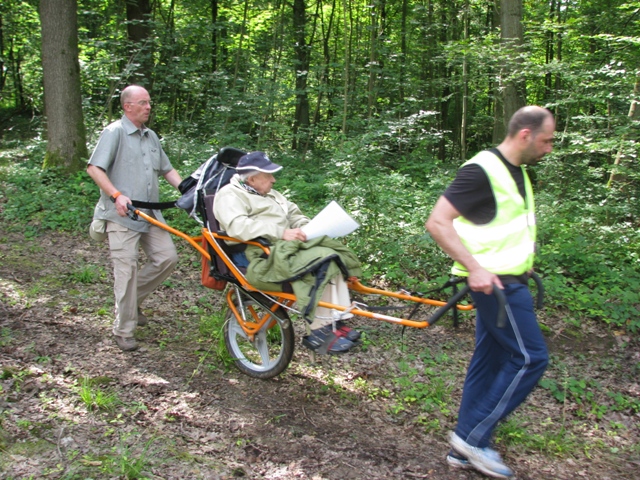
pixel 126 164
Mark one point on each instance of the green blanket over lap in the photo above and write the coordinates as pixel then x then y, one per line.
pixel 290 259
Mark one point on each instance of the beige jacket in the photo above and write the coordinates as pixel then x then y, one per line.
pixel 246 215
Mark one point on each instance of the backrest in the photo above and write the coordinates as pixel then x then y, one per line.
pixel 217 264
pixel 208 179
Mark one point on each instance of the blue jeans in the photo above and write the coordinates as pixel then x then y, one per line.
pixel 506 364
pixel 240 259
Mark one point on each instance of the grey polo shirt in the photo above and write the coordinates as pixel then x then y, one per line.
pixel 133 160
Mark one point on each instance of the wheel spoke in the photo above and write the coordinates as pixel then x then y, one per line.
pixel 262 345
pixel 236 330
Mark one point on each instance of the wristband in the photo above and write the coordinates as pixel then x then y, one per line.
pixel 114 196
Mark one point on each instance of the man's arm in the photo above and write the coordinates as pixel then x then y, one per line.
pixel 102 180
pixel 440 226
pixel 173 177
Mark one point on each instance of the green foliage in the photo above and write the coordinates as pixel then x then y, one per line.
pixel 38 201
pixel 589 397
pixel 88 274
pixel 127 460
pixel 21 83
pixel 211 329
pixel 516 431
pixel 6 336
pixel 425 383
pixel 589 257
pixel 391 203
pixel 97 398
pixel 588 247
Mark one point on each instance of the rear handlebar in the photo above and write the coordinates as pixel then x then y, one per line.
pixel 540 296
pixel 501 321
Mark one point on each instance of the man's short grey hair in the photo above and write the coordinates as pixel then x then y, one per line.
pixel 244 176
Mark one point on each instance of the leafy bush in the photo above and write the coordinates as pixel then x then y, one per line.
pixel 589 246
pixel 590 269
pixel 39 200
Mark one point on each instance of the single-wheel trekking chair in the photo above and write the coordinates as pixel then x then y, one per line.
pixel 258 330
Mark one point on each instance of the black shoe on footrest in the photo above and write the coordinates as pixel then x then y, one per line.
pixel 324 340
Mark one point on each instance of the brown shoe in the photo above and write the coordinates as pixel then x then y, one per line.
pixel 142 318
pixel 126 344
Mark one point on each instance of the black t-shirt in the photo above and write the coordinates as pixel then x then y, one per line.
pixel 471 194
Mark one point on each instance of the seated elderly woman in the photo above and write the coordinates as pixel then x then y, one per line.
pixel 248 208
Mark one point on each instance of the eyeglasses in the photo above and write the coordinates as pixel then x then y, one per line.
pixel 142 103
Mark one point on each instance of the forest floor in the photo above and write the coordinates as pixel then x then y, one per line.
pixel 72 405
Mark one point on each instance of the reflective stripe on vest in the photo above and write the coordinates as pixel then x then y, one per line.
pixel 504 246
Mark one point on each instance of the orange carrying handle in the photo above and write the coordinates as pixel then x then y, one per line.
pixel 288 299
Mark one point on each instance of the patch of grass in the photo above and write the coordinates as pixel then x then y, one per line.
pixel 28 448
pixel 551 439
pixel 588 397
pixel 430 424
pixel 88 274
pixel 6 336
pixel 96 398
pixel 335 383
pixel 15 373
pixel 126 460
pixel 45 285
pixel 129 464
pixel 211 331
pixel 23 424
pixel 425 382
pixel 371 391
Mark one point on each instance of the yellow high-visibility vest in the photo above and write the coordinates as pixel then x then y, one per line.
pixel 505 245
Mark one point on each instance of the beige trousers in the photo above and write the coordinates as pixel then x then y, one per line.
pixel 335 292
pixel 132 284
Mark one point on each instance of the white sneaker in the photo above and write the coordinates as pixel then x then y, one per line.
pixel 485 460
pixel 456 460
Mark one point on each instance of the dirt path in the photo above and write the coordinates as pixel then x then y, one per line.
pixel 179 413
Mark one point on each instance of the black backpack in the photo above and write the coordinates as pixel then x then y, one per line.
pixel 212 175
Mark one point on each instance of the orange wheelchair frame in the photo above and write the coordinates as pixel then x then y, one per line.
pixel 258 331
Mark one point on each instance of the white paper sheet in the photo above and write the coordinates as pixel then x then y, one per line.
pixel 332 221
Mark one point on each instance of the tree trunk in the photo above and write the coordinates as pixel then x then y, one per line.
pixel 66 138
pixel 139 34
pixel 301 49
pixel 465 85
pixel 403 51
pixel 279 41
pixel 2 71
pixel 373 60
pixel 346 11
pixel 239 50
pixel 549 53
pixel 634 113
pixel 512 37
pixel 214 36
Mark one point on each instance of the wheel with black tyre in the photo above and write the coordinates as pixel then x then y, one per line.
pixel 270 351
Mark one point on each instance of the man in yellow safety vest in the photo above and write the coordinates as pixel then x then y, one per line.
pixel 485 221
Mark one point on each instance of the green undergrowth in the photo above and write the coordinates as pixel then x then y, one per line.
pixel 575 411
pixel 588 242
